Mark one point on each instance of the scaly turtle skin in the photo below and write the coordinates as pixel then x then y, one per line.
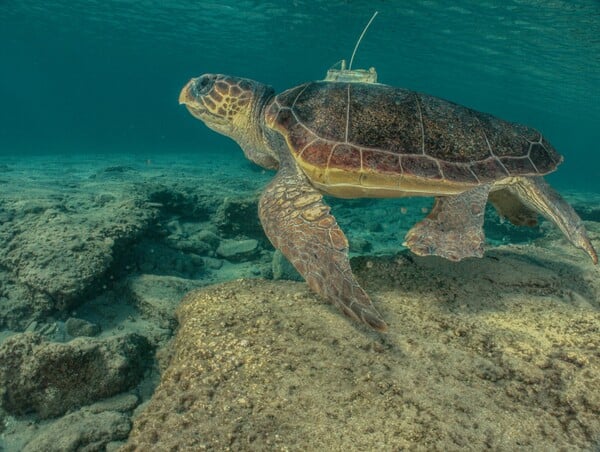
pixel 370 140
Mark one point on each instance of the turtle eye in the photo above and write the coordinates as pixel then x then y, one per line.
pixel 204 84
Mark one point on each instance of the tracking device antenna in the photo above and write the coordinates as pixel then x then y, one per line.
pixel 349 75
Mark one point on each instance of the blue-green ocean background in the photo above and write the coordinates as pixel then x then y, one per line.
pixel 103 76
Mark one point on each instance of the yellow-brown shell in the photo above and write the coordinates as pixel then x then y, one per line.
pixel 377 136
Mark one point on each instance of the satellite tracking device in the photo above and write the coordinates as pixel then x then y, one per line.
pixel 342 74
pixel 348 75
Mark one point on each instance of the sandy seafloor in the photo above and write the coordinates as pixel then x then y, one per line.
pixel 98 353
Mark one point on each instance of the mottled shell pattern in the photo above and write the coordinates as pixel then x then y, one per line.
pixel 356 132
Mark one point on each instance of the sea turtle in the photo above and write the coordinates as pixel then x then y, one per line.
pixel 359 139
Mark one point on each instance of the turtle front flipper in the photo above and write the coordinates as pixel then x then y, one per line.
pixel 454 227
pixel 299 224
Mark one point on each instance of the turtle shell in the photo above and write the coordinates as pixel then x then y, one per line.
pixel 392 139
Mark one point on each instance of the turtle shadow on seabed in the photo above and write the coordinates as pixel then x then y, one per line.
pixel 504 276
pixel 512 282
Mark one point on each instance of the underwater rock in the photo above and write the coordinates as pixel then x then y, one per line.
pixel 588 212
pixel 283 269
pixel 118 169
pixel 158 258
pixel 360 245
pixel 494 353
pixel 238 250
pixel 115 173
pixel 208 237
pixel 191 237
pixel 56 255
pixel 82 430
pixel 213 263
pixel 6 215
pixel 237 217
pixel 51 378
pixel 374 226
pixel 189 245
pixel 19 306
pixel 78 327
pixel 102 199
pixel 122 403
pixel 157 296
pixel 184 202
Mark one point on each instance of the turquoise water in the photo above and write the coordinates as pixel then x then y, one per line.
pixel 103 76
pixel 115 202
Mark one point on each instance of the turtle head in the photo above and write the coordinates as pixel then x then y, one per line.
pixel 232 106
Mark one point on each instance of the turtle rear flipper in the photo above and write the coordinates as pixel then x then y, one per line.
pixel 299 224
pixel 454 227
pixel 539 196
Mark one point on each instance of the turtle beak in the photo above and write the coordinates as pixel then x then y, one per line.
pixel 186 96
pixel 190 98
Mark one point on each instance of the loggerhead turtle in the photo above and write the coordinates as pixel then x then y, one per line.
pixel 359 139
